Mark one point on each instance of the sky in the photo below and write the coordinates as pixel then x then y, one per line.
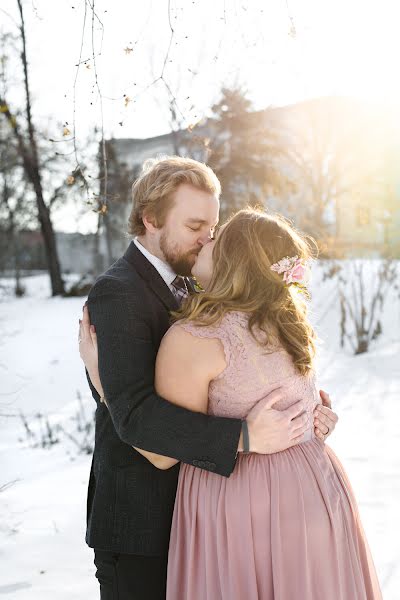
pixel 281 51
pixel 341 47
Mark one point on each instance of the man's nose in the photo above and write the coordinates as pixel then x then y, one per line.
pixel 205 239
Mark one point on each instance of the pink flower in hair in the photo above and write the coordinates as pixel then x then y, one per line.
pixel 293 269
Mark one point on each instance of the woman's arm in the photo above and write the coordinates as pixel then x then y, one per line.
pixel 184 368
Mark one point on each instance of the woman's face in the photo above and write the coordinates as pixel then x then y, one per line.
pixel 203 267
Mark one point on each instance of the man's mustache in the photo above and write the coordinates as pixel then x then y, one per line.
pixel 195 251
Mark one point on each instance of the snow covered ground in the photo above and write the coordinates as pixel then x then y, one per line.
pixel 42 506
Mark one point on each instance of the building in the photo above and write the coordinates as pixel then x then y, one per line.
pixel 77 253
pixel 338 165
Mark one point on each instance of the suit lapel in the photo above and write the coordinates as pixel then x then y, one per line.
pixel 151 276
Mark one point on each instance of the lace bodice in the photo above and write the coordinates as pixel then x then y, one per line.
pixel 252 371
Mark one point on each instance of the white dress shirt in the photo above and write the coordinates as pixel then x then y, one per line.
pixel 164 269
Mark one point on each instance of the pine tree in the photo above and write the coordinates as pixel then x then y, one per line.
pixel 242 152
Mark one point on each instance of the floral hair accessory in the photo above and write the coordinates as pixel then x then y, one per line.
pixel 294 270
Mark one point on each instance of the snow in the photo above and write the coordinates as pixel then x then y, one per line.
pixel 42 525
pixel 42 549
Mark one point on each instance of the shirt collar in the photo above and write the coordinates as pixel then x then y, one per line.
pixel 163 268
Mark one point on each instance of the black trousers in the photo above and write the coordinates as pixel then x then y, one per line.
pixel 130 577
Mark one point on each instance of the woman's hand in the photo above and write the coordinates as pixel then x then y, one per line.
pixel 324 418
pixel 88 350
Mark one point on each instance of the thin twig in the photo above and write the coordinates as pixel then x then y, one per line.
pixel 74 102
pixel 103 141
pixel 5 486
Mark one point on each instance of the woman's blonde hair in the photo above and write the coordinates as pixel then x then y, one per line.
pixel 242 280
pixel 153 192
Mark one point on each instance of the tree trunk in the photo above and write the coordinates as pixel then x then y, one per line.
pixel 109 238
pixel 18 288
pixel 46 226
pixel 30 160
pixel 98 262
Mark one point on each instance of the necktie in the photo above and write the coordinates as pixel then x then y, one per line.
pixel 179 289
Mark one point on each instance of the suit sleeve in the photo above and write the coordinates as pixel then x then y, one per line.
pixel 141 417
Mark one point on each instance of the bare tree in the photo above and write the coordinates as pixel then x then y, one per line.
pixel 27 148
pixel 14 213
pixel 363 290
pixel 327 146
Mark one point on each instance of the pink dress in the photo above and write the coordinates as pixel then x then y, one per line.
pixel 283 526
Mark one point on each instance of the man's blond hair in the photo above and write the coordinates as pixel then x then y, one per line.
pixel 153 192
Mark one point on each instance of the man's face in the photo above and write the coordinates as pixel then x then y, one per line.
pixel 188 227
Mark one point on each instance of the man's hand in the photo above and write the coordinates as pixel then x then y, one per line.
pixel 324 418
pixel 275 430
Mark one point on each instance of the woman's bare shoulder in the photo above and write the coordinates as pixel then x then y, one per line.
pixel 190 344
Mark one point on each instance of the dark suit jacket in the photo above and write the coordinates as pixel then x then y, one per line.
pixel 130 502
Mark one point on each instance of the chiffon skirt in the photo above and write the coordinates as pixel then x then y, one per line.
pixel 283 526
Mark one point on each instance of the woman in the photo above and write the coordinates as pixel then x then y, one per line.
pixel 283 526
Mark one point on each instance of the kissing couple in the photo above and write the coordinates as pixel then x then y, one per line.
pixel 210 478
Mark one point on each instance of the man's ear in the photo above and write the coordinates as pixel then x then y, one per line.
pixel 150 222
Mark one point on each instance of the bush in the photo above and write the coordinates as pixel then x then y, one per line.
pixel 81 287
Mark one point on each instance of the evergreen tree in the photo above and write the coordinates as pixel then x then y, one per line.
pixel 242 152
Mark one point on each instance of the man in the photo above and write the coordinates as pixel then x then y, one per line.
pixel 130 502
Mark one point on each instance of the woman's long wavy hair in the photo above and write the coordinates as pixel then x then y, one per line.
pixel 242 280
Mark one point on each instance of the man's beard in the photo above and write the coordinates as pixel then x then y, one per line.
pixel 181 263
